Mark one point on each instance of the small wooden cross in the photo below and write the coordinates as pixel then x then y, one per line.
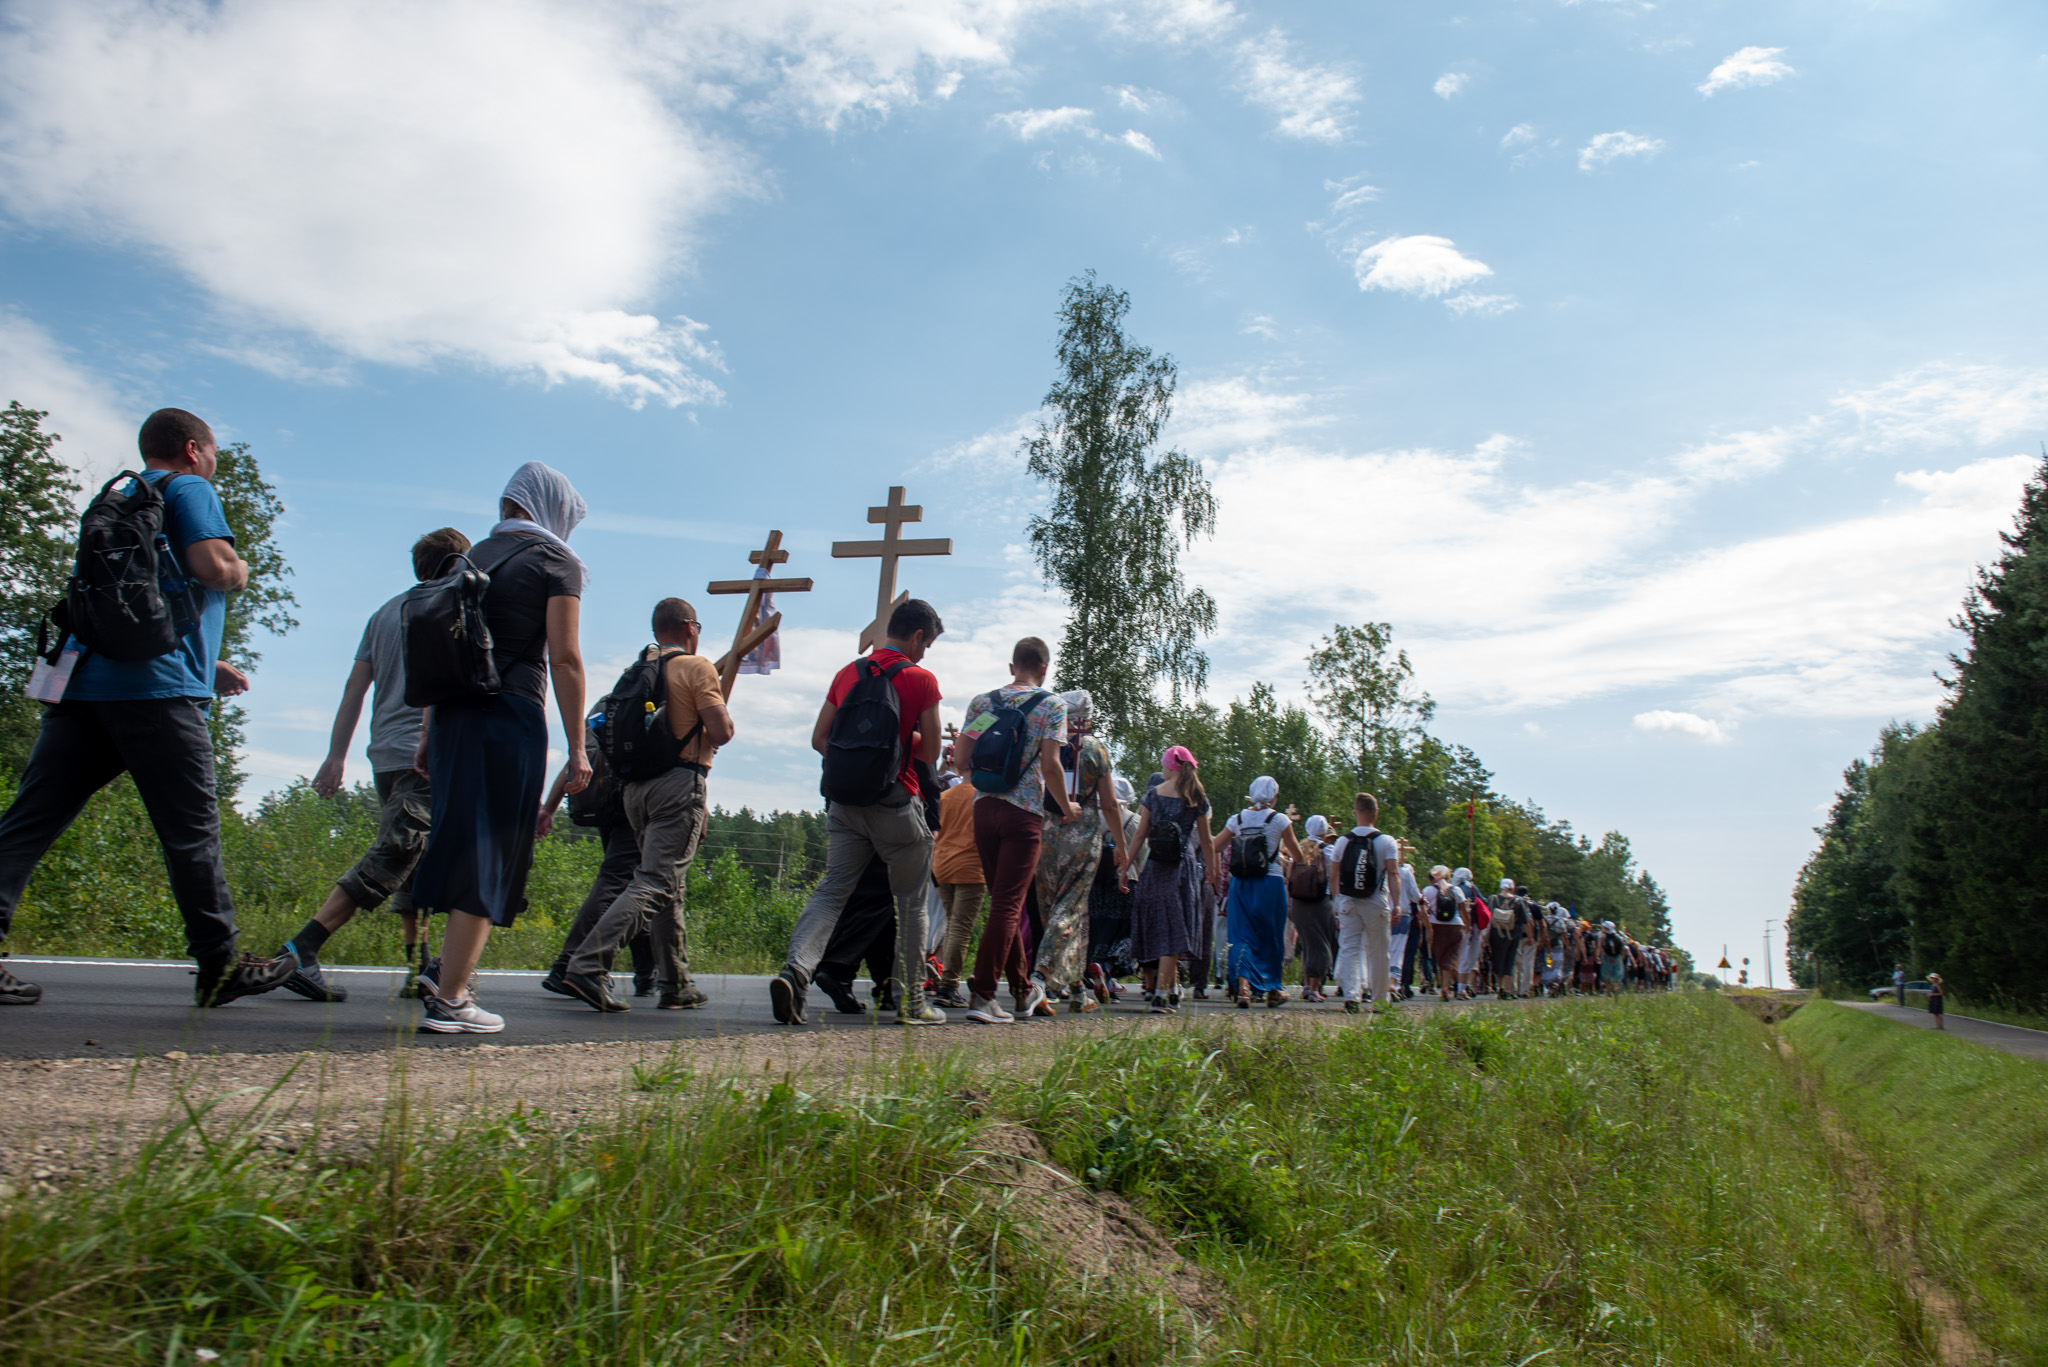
pixel 750 633
pixel 892 545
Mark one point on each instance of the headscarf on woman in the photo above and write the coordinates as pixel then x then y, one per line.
pixel 1179 757
pixel 552 505
pixel 1317 827
pixel 1080 707
pixel 1265 791
pixel 1125 794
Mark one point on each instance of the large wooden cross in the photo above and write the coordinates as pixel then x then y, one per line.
pixel 892 545
pixel 750 633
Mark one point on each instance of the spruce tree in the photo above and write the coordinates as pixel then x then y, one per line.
pixel 1120 512
pixel 1974 860
pixel 38 519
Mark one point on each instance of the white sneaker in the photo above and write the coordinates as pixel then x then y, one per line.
pixel 463 1017
pixel 1034 999
pixel 984 1011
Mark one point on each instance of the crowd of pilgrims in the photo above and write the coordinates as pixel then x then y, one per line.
pixel 1063 879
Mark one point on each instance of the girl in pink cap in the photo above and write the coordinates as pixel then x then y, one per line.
pixel 1174 832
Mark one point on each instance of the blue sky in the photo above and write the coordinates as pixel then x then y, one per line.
pixel 1659 371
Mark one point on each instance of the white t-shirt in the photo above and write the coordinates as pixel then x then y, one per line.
pixel 1275 824
pixel 1410 894
pixel 1385 847
pixel 1429 898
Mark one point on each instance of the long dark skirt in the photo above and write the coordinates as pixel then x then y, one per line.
pixel 1109 920
pixel 487 762
pixel 1315 923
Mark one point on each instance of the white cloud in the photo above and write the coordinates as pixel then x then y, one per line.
pixel 1597 587
pixel 1130 97
pixel 1451 83
pixel 1750 66
pixel 1352 194
pixel 1037 123
pixel 1134 139
pixel 1418 264
pixel 1314 101
pixel 1611 147
pixel 1683 724
pixel 96 424
pixel 1480 305
pixel 1521 135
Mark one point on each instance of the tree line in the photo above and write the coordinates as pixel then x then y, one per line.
pixel 1932 854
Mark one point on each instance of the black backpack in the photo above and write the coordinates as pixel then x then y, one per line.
pixel 864 749
pixel 447 641
pixel 1251 851
pixel 1001 752
pixel 1610 943
pixel 1358 873
pixel 1070 761
pixel 600 803
pixel 1167 841
pixel 1446 903
pixel 128 598
pixel 634 735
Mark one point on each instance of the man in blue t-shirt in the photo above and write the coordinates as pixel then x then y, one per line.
pixel 148 718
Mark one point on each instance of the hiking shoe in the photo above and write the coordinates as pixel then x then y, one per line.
pixel 985 1011
pixel 553 981
pixel 1036 1002
pixel 426 980
pixel 786 998
pixel 309 982
pixel 593 990
pixel 691 997
pixel 1162 1007
pixel 222 982
pixel 916 1011
pixel 841 993
pixel 1276 998
pixel 951 995
pixel 1097 982
pixel 464 1017
pixel 1350 1007
pixel 1081 1003
pixel 15 992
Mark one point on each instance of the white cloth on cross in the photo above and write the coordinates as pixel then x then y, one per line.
pixel 766 657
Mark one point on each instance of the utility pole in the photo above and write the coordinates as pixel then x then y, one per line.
pixel 1767 951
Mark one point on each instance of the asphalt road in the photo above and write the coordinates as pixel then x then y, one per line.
pixel 2014 1039
pixel 122 1007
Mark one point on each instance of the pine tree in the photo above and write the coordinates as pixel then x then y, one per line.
pixel 1974 864
pixel 1120 512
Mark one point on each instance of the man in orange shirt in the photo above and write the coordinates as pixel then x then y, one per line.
pixel 667 812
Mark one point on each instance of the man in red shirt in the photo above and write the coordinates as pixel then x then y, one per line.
pixel 893 828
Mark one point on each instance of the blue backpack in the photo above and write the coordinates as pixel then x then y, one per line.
pixel 1002 751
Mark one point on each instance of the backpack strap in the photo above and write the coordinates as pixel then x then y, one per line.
pixel 660 663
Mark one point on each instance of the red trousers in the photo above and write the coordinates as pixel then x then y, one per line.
pixel 1008 839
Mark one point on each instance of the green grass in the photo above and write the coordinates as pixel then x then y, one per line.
pixel 1961 1132
pixel 1633 1182
pixel 101 890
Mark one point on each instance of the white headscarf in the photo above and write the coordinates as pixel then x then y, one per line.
pixel 1265 791
pixel 553 504
pixel 1080 707
pixel 1124 791
pixel 1317 827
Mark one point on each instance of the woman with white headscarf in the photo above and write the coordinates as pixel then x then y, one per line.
pixel 1311 911
pixel 486 757
pixel 1069 855
pixel 1257 906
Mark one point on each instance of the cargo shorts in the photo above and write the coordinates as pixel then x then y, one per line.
pixel 385 872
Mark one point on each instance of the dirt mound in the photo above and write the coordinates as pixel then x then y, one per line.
pixel 1099 1229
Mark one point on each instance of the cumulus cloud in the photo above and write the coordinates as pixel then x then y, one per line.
pixel 1418 264
pixel 1037 123
pixel 97 425
pixel 1451 83
pixel 509 184
pixel 1683 724
pixel 1597 587
pixel 1750 66
pixel 1617 146
pixel 1313 101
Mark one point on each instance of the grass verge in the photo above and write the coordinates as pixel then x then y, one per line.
pixel 1961 1132
pixel 1600 1182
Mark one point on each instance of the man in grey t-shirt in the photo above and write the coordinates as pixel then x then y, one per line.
pixel 384 874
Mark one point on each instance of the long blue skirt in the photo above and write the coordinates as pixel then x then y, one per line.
pixel 487 761
pixel 1257 917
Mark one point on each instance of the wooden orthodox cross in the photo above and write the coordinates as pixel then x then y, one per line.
pixel 892 545
pixel 750 633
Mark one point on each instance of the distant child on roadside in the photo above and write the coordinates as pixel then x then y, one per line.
pixel 1934 993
